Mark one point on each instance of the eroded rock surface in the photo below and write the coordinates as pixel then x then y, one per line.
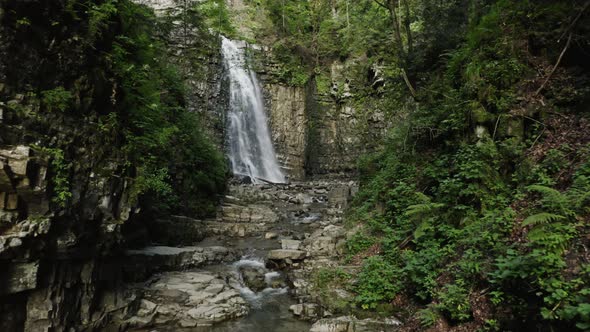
pixel 351 324
pixel 142 263
pixel 186 300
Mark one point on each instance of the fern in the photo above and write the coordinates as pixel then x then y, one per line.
pixel 542 218
pixel 555 240
pixel 552 198
pixel 421 213
pixel 421 210
pixel 548 232
pixel 546 191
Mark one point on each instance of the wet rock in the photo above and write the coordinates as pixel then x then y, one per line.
pixel 233 213
pixel 187 299
pixel 305 311
pixel 142 263
pixel 275 280
pixel 284 254
pixel 290 244
pixel 351 324
pixel 234 229
pixel 296 309
pixel 302 198
pixel 271 235
pixel 254 277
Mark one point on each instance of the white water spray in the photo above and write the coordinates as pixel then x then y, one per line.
pixel 250 148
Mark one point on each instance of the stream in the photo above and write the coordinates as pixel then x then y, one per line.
pixel 252 272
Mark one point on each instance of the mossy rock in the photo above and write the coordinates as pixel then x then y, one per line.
pixel 510 127
pixel 480 115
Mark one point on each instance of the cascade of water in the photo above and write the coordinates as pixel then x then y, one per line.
pixel 250 148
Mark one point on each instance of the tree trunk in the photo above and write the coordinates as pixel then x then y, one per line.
pixel 396 28
pixel 407 26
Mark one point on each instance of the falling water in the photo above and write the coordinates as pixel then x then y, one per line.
pixel 250 148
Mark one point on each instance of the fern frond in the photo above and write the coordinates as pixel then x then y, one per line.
pixel 552 198
pixel 553 240
pixel 422 209
pixel 546 191
pixel 542 218
pixel 422 197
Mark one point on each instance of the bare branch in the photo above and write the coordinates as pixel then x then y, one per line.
pixel 567 45
pixel 381 4
pixel 571 26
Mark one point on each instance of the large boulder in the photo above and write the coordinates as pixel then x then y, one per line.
pixel 187 300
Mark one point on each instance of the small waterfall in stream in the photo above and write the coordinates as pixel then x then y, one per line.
pixel 251 152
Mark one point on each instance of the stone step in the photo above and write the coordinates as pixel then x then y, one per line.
pixel 235 229
pixel 232 213
pixel 142 263
pixel 286 254
pixel 352 324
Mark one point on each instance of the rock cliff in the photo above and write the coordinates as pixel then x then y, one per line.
pixel 67 185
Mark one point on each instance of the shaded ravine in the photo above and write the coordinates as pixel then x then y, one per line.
pixel 257 260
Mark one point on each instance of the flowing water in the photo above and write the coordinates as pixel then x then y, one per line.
pixel 251 152
pixel 269 308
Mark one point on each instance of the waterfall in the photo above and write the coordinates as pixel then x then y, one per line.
pixel 251 153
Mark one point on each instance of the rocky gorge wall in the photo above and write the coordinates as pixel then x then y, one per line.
pixel 66 185
pixel 52 273
pixel 318 132
pixel 198 54
pixel 320 127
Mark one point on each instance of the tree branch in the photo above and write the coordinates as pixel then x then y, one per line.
pixel 571 26
pixel 381 4
pixel 408 83
pixel 567 45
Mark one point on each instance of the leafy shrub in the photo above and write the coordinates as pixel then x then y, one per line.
pixel 358 243
pixel 57 99
pixel 59 180
pixel 376 283
pixel 454 301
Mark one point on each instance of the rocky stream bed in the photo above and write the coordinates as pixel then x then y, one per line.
pixel 253 270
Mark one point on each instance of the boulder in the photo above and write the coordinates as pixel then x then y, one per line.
pixel 187 299
pixel 284 254
pixel 142 263
pixel 290 244
pixel 254 277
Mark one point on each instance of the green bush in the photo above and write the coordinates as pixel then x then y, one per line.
pixel 377 283
pixel 57 99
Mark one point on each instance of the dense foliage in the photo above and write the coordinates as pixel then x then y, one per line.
pixel 179 167
pixel 476 211
pixel 106 65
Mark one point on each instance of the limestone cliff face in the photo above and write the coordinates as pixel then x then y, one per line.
pixel 58 255
pixel 319 132
pixel 314 132
pixel 289 126
pixel 51 274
